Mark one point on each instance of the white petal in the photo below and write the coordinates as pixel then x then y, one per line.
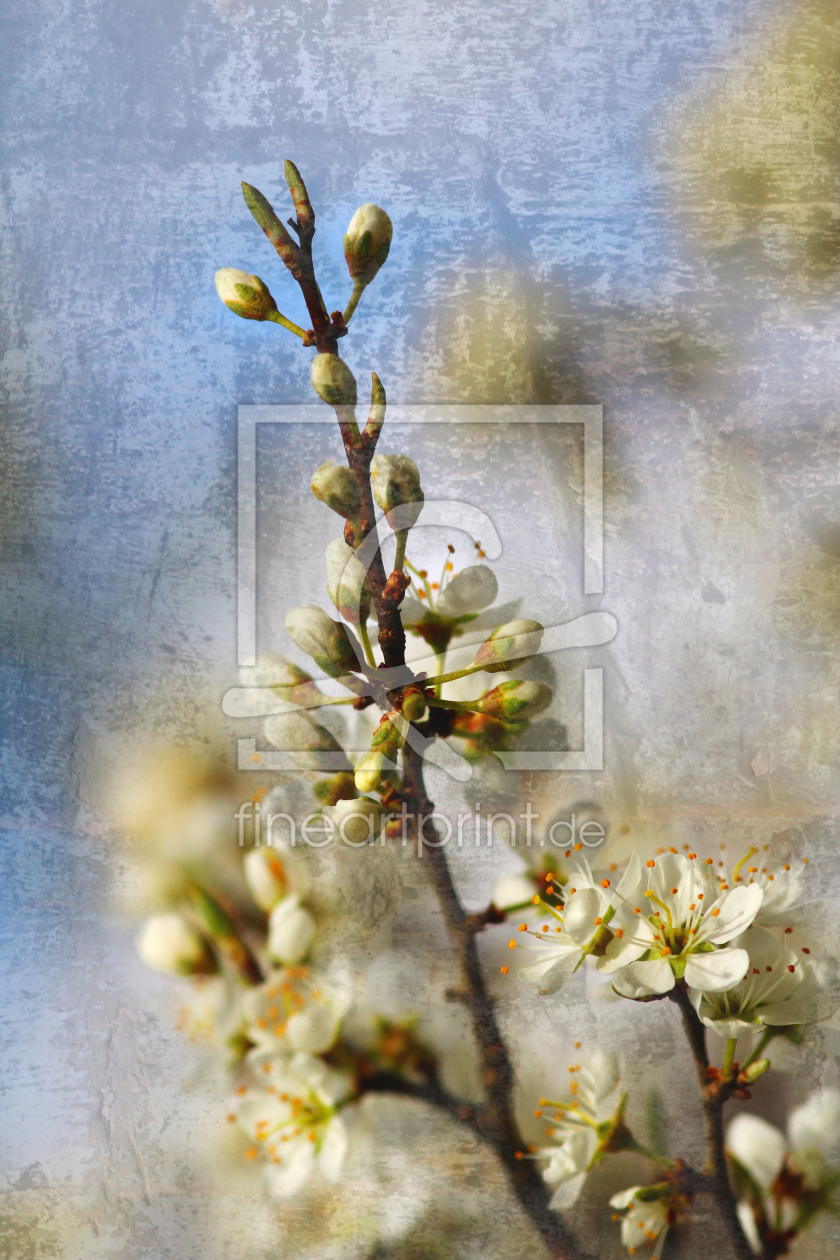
pixel 550 973
pixel 572 1158
pixel 644 979
pixel 512 890
pixel 795 916
pixel 291 931
pixel 580 913
pixel 567 1193
pixel 285 1179
pixel 747 1218
pixel 624 1197
pixel 736 911
pixel 816 1124
pixel 673 871
pixel 717 971
pixel 604 1069
pixel 758 1146
pixel 333 1149
pixel 313 1030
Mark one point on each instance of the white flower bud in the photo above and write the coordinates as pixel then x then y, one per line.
pixel 396 484
pixel 303 739
pixel 356 820
pixel 291 931
pixel 333 381
pixel 515 701
pixel 335 485
pixel 326 641
pixel 469 591
pixel 168 943
pixel 367 241
pixel 510 646
pixel 346 582
pixel 266 877
pixel 244 294
pixel 372 769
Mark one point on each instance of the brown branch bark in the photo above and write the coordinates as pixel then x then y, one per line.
pixel 717 1177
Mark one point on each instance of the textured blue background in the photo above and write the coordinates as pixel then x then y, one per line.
pixel 594 201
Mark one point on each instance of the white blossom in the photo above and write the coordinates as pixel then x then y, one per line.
pixel 684 919
pixel 291 931
pixel 474 588
pixel 782 885
pixel 290 1116
pixel 295 1010
pixel 595 920
pixel 582 1123
pixel 783 985
pixel 645 1220
pixel 786 1172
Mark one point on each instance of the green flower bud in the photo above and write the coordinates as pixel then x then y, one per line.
pixel 516 700
pixel 168 943
pixel 346 582
pixel 328 642
pixel 510 646
pixel 338 787
pixel 367 241
pixel 396 482
pixel 414 704
pixel 335 485
pixel 244 294
pixel 751 1074
pixel 333 381
pixel 372 769
pixel 389 735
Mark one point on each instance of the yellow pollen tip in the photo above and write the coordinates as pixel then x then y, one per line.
pixel 505 970
pixel 511 944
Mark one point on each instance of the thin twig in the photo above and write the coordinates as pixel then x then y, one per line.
pixel 713 1103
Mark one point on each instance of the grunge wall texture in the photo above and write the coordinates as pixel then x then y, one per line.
pixel 635 205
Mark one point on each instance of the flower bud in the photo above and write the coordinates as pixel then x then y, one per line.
pixel 367 242
pixel 335 485
pixel 396 483
pixel 414 704
pixel 372 769
pixel 168 943
pixel 282 678
pixel 751 1074
pixel 346 582
pixel 356 820
pixel 516 700
pixel 291 931
pixel 510 646
pixel 244 294
pixel 333 381
pixel 326 641
pixel 338 787
pixel 304 740
pixel 469 591
pixel 389 735
pixel 265 875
